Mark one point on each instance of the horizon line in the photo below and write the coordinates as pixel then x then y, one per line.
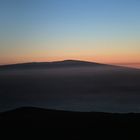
pixel 125 64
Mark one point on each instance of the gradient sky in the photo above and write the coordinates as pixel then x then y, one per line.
pixel 106 31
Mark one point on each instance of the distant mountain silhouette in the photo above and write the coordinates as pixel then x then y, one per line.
pixel 55 64
pixel 70 85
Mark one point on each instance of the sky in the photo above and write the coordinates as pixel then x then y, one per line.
pixel 105 31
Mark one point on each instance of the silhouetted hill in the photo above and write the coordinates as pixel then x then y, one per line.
pixel 70 85
pixel 37 117
pixel 55 64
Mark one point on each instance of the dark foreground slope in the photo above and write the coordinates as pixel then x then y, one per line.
pixel 36 117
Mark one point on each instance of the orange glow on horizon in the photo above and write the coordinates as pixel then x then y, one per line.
pixel 101 51
pixel 122 61
pixel 105 52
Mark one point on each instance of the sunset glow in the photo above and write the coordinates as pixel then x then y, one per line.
pixel 104 31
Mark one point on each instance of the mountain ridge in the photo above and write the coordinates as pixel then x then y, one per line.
pixel 53 62
pixel 57 64
pixel 69 86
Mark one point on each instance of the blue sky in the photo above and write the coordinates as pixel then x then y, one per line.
pixel 52 22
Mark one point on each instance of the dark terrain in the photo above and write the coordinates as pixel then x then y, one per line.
pixel 72 93
pixel 46 118
pixel 70 85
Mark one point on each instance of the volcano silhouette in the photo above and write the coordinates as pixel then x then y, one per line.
pixel 70 85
